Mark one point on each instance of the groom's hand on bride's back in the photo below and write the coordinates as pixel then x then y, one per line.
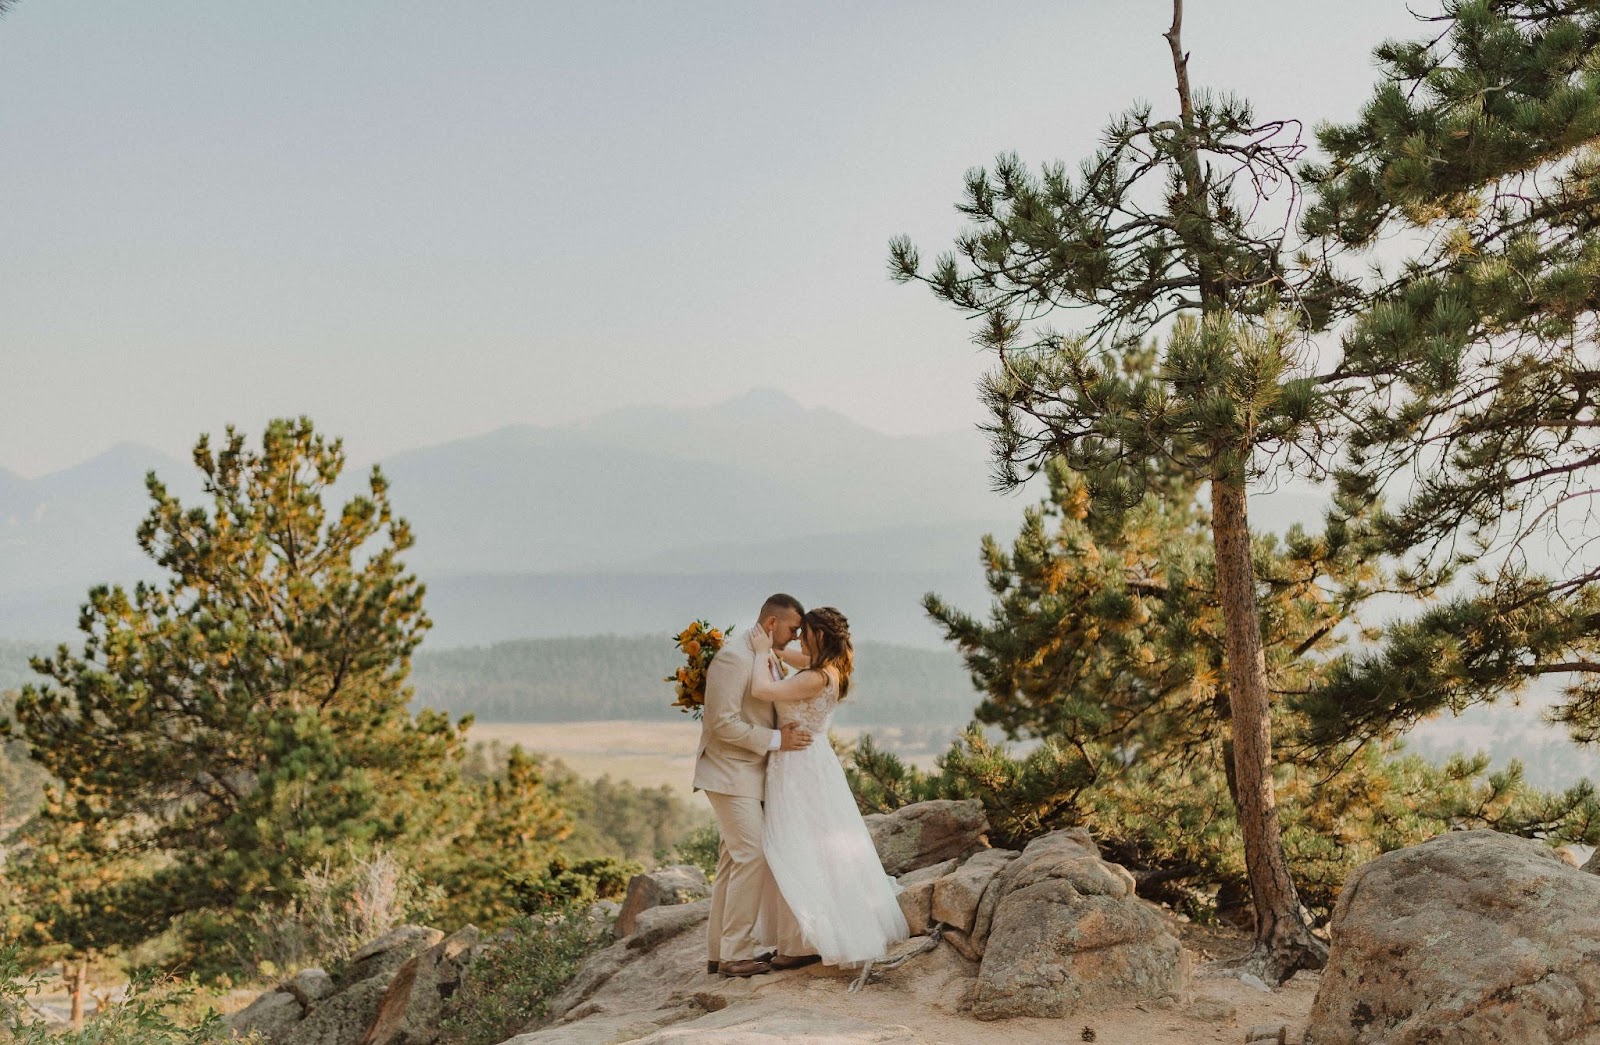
pixel 795 737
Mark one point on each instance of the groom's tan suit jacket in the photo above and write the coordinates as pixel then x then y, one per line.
pixel 735 728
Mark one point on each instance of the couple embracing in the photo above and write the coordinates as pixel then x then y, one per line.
pixel 798 879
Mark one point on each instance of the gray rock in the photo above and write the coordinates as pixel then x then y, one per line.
pixel 956 896
pixel 1592 865
pixel 342 1019
pixel 667 886
pixel 916 894
pixel 383 956
pixel 1212 1009
pixel 1067 930
pixel 662 923
pixel 312 985
pixel 926 833
pixel 1472 937
pixel 1267 1034
pixel 273 1016
pixel 276 1013
pixel 409 1011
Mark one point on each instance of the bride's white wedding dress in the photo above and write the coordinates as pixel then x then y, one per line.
pixel 821 855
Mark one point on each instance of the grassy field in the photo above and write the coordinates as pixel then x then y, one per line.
pixel 654 753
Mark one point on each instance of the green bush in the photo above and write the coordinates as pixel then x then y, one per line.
pixel 564 883
pixel 700 848
pixel 512 984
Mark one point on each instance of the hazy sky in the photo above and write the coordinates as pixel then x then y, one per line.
pixel 416 221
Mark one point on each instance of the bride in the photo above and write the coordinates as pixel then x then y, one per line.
pixel 818 849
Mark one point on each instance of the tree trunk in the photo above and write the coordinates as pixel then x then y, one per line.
pixel 1284 942
pixel 80 987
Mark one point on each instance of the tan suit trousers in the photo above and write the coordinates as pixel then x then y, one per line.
pixel 743 882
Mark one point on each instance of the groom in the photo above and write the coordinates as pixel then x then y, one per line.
pixel 737 732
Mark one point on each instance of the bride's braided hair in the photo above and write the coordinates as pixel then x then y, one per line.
pixel 831 634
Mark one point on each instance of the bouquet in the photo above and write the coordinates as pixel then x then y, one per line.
pixel 699 643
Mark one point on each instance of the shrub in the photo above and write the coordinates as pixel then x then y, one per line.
pixel 567 883
pixel 339 908
pixel 700 848
pixel 513 983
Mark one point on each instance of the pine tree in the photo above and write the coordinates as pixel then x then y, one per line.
pixel 246 718
pixel 1104 639
pixel 1162 224
pixel 1476 162
pixel 500 832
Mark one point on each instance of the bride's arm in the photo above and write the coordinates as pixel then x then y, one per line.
pixel 763 686
pixel 793 657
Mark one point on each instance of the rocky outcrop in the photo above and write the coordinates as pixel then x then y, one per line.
pixel 411 1007
pixel 925 833
pixel 1067 929
pixel 1471 937
pixel 276 1012
pixel 679 884
pixel 609 969
pixel 315 1009
pixel 383 957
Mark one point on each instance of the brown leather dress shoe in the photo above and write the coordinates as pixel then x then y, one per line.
pixel 798 961
pixel 746 967
pixel 711 967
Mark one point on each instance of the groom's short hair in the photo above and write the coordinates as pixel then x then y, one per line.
pixel 778 603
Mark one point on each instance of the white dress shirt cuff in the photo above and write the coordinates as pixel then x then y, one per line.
pixel 777 740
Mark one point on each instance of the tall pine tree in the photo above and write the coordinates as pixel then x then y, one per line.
pixel 1167 222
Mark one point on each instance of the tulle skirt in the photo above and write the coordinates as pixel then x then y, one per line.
pixel 826 868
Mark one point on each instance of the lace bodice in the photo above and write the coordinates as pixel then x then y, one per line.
pixel 814 714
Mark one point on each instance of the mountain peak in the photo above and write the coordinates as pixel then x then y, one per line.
pixel 761 400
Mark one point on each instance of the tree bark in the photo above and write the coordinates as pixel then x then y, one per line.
pixel 80 987
pixel 1283 943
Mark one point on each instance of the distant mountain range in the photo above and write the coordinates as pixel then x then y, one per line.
pixel 633 521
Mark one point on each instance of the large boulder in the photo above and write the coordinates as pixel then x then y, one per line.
pixel 1471 937
pixel 409 1011
pixel 925 833
pixel 1067 930
pixel 679 884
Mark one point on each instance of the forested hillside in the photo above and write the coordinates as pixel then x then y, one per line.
pixel 615 677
